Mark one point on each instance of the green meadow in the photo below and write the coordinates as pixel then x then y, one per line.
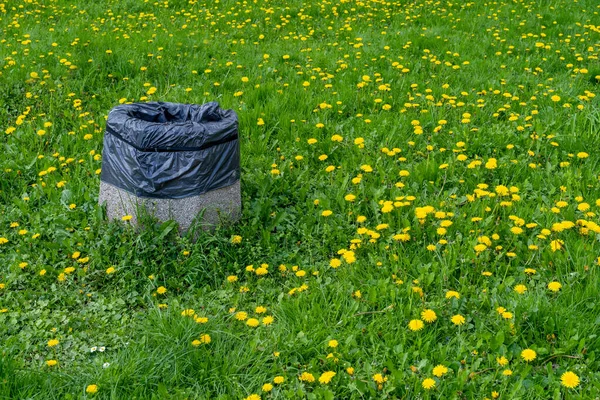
pixel 420 187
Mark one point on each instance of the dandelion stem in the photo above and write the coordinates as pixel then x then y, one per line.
pixel 560 355
pixel 374 312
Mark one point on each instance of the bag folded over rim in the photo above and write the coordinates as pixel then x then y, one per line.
pixel 170 150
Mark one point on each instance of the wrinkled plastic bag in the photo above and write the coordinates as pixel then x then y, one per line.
pixel 169 150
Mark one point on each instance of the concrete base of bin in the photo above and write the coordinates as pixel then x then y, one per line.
pixel 219 206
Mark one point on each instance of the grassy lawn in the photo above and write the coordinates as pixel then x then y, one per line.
pixel 421 202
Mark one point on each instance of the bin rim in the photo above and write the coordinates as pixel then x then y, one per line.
pixel 130 122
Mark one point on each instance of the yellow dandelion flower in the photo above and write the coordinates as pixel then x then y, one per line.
pixel 205 338
pixel 260 310
pixel 428 384
pixel 416 325
pixel 241 315
pixel 554 286
pixel 440 370
pixel 428 315
pixel 307 377
pixel 520 289
pixel 91 389
pixel 556 245
pixel 452 294
pixel 335 262
pixel 326 377
pixel 569 380
pixel 528 355
pixel 267 387
pixel 236 239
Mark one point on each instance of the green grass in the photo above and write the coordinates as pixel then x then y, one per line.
pixel 315 70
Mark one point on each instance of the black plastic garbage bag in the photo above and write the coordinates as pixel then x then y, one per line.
pixel 170 151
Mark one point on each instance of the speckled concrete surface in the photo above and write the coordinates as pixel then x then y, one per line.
pixel 220 205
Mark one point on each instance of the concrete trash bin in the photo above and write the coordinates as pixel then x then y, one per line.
pixel 172 161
